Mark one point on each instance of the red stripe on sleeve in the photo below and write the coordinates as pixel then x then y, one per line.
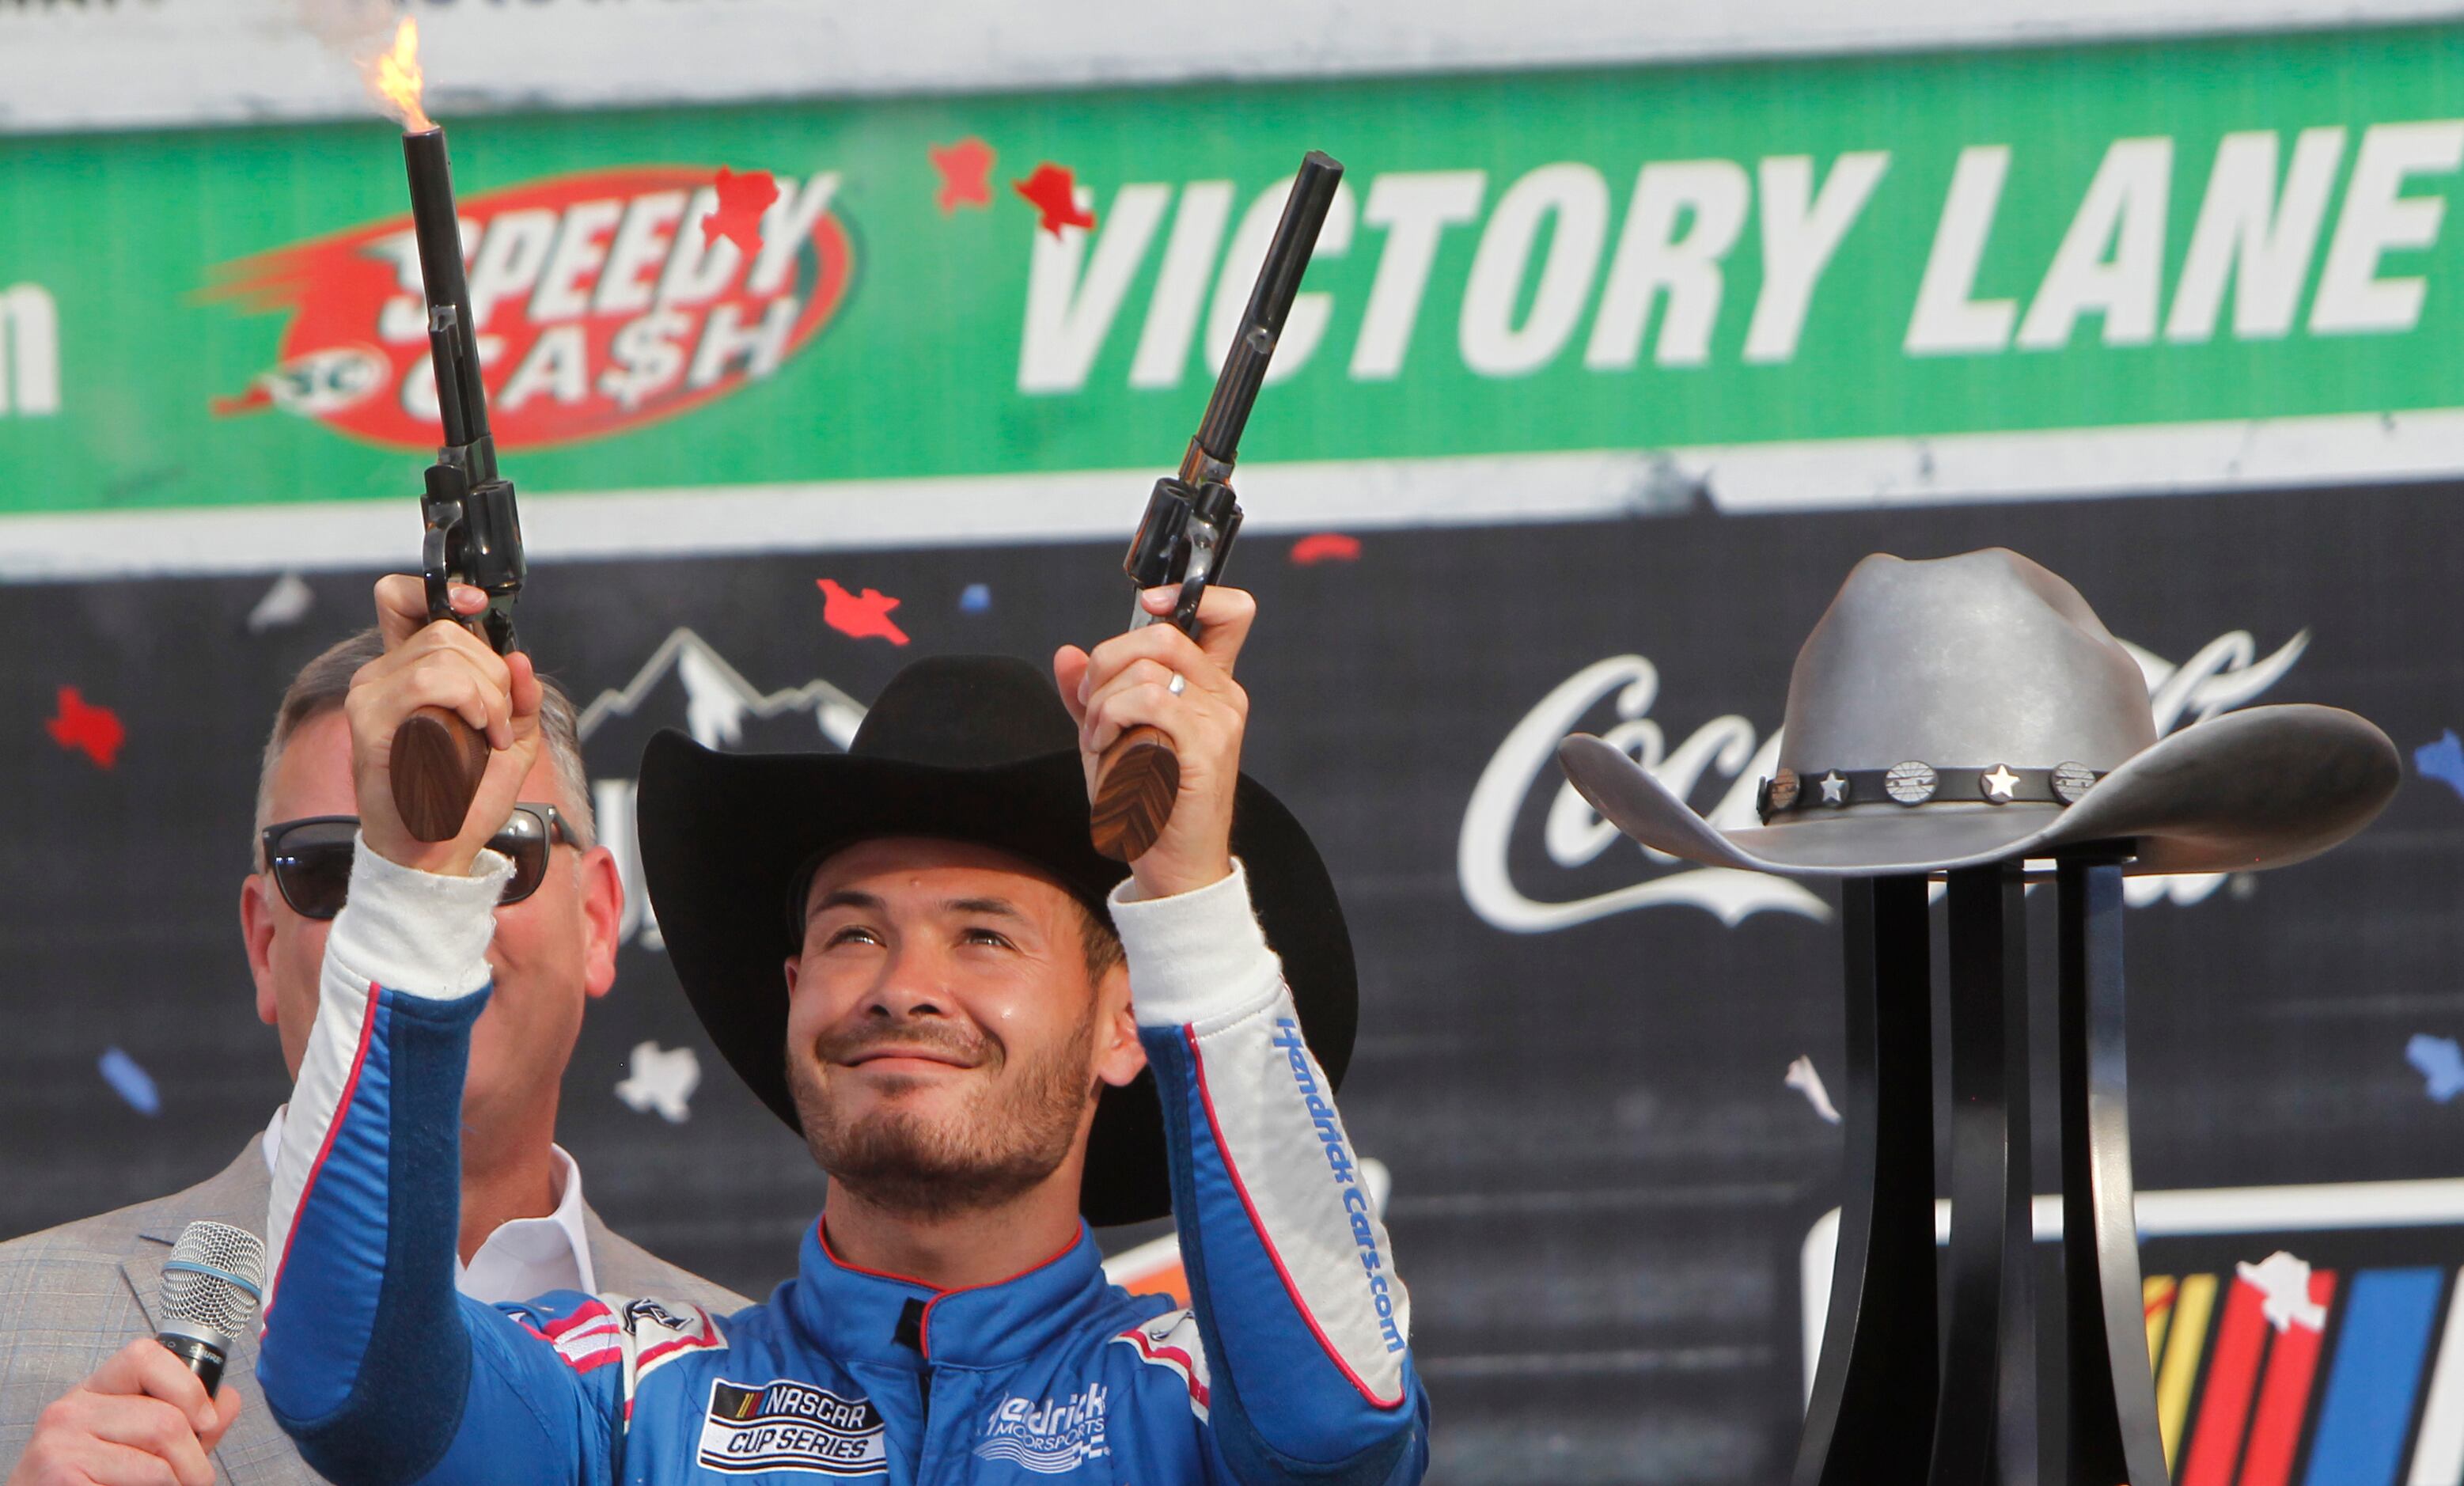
pixel 1266 1240
pixel 1181 1361
pixel 342 1108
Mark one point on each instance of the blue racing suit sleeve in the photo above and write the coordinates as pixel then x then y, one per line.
pixel 1305 1324
pixel 379 1370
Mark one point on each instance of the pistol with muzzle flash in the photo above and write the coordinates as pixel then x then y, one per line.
pixel 473 533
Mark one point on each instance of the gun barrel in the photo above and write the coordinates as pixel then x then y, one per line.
pixel 1288 254
pixel 461 402
pixel 1218 443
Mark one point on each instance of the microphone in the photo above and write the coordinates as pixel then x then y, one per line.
pixel 211 1286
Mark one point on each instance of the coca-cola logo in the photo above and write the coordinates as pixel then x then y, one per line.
pixel 1717 767
pixel 599 302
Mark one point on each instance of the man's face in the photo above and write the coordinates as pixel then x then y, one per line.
pixel 553 951
pixel 945 1040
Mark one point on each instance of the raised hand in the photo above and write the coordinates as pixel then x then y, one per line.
pixel 1127 682
pixel 439 664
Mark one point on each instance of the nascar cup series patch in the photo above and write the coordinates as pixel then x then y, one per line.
pixel 783 1425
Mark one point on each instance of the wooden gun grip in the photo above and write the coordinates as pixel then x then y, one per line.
pixel 436 764
pixel 1136 783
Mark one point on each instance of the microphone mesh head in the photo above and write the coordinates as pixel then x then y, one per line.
pixel 212 1279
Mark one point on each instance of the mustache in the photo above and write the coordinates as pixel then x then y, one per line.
pixel 878 1036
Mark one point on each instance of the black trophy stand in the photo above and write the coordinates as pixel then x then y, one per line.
pixel 1899 1398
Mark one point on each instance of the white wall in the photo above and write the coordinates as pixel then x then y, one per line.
pixel 87 64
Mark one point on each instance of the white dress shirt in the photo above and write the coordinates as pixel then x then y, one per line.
pixel 527 1256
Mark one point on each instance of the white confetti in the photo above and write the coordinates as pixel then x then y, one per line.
pixel 287 602
pixel 2285 1281
pixel 1802 1078
pixel 661 1078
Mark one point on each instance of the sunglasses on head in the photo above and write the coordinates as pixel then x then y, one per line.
pixel 311 857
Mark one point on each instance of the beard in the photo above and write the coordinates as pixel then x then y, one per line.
pixel 1013 1132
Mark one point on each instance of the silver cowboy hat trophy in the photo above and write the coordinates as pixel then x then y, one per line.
pixel 1966 717
pixel 1963 710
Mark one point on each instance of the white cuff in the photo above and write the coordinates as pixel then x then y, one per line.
pixel 418 932
pixel 1194 956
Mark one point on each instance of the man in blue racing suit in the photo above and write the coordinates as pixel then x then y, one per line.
pixel 987 1036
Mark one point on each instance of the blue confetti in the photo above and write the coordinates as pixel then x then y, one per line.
pixel 2442 760
pixel 130 1081
pixel 2441 1063
pixel 979 598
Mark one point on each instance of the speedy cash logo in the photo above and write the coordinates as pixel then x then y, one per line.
pixel 600 305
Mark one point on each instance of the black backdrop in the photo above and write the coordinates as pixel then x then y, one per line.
pixel 1601 1183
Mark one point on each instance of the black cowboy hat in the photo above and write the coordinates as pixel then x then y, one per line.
pixel 969 748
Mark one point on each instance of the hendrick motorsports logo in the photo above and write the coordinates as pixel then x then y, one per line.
pixel 789 1425
pixel 1047 1436
pixel 599 303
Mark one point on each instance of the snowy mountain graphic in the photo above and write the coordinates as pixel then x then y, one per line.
pixel 719 708
pixel 719 699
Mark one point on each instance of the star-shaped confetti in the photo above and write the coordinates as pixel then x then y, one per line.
pixel 2001 784
pixel 1053 192
pixel 966 173
pixel 742 199
pixel 864 615
pixel 93 730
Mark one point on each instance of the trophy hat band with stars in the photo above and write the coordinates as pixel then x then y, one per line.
pixel 1968 709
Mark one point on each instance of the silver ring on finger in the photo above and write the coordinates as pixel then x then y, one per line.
pixel 1179 684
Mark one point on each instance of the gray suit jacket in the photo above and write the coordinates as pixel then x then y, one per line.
pixel 72 1296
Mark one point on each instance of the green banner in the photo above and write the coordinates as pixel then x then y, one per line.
pixel 1643 258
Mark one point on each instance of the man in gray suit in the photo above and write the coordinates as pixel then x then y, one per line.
pixel 85 1397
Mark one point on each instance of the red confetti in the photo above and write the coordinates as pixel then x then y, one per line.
pixel 95 731
pixel 1052 192
pixel 966 173
pixel 864 615
pixel 741 201
pixel 1326 547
